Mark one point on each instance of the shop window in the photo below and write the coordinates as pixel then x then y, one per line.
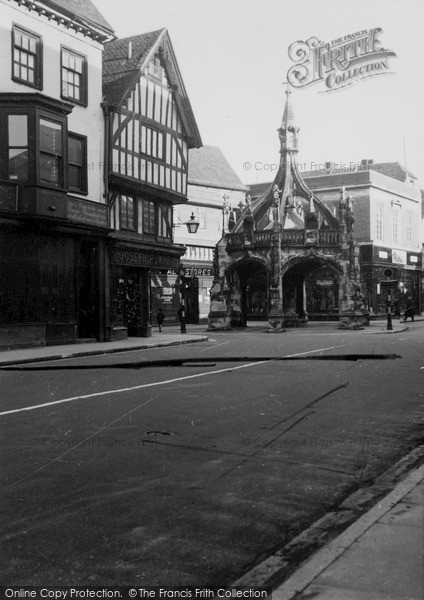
pixel 77 163
pixel 73 76
pixel 27 58
pixel 18 147
pixel 51 152
pixel 127 213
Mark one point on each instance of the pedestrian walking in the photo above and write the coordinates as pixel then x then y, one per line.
pixel 160 317
pixel 409 311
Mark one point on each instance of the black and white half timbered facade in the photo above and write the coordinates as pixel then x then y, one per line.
pixel 149 128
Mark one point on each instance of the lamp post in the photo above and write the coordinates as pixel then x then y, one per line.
pixel 192 227
pixel 181 311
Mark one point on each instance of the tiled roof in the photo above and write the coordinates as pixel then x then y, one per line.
pixel 208 166
pixel 391 169
pixel 115 55
pixel 119 72
pixel 84 9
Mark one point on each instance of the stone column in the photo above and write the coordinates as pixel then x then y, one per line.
pixel 219 315
pixel 276 316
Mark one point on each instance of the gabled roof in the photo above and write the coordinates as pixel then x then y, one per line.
pixel 208 166
pixel 120 73
pixel 83 10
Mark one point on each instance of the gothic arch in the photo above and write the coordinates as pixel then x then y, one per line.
pixel 312 256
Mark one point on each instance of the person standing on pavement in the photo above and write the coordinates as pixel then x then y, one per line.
pixel 160 317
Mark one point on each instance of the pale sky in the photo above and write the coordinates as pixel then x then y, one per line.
pixel 233 56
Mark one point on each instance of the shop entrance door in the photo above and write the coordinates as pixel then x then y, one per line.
pixel 88 314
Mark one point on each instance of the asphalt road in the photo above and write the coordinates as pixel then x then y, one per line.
pixel 188 465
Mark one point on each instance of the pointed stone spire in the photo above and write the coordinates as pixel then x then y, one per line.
pixel 288 130
pixel 288 116
pixel 311 220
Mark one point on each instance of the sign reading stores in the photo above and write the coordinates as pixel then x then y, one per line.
pixel 338 63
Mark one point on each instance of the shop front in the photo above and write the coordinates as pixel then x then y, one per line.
pixel 52 274
pixel 169 290
pixel 402 268
pixel 134 275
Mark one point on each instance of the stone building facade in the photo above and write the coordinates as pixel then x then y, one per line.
pixel 278 241
pixel 387 206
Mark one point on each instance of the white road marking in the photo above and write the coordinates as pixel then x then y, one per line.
pixel 310 351
pixel 216 346
pixel 129 389
pixel 148 385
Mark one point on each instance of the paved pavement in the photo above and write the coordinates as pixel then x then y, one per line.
pixel 168 337
pixel 379 557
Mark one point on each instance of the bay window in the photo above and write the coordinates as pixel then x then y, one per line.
pixel 77 163
pixel 18 147
pixel 51 152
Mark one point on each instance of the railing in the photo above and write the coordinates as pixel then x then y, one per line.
pixel 289 237
pixel 329 238
pixel 235 240
pixel 293 237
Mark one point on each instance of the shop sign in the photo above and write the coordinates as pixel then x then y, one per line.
pixel 167 291
pixel 198 272
pixel 338 63
pixel 89 213
pixel 415 259
pixel 399 256
pixel 324 282
pixel 139 258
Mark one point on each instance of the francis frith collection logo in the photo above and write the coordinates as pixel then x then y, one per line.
pixel 338 63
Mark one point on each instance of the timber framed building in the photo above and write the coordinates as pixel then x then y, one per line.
pixel 150 128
